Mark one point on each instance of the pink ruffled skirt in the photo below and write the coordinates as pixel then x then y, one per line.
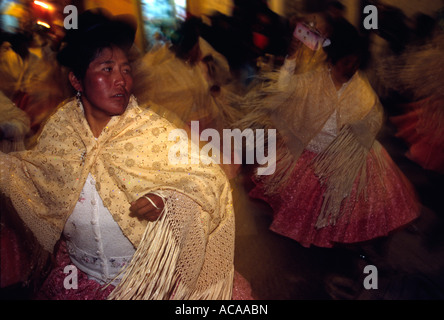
pixel 424 134
pixel 388 203
pixel 88 289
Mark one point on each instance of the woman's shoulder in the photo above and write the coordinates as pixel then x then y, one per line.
pixel 64 111
pixel 363 87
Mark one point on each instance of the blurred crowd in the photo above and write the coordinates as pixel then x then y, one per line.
pixel 251 40
pixel 215 70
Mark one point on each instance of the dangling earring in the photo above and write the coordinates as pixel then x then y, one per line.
pixel 78 98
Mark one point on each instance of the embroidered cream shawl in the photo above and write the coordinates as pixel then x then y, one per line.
pixel 181 256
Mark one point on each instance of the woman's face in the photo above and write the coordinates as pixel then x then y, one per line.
pixel 107 85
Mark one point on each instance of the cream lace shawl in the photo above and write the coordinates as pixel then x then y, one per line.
pixel 183 255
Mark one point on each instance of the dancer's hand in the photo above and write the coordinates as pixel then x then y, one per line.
pixel 143 208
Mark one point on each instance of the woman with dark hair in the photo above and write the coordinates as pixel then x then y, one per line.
pixel 100 190
pixel 334 182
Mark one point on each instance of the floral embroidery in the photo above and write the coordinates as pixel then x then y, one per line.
pixel 155 149
pixel 129 146
pixel 130 162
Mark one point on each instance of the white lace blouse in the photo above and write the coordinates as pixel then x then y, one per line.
pixel 95 241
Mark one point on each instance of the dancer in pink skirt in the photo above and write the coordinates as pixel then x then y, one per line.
pixel 334 182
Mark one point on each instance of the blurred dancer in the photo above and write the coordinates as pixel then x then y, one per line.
pixel 187 70
pixel 334 183
pixel 417 75
pixel 14 256
pixel 188 78
pixel 35 84
pixel 12 70
pixel 14 126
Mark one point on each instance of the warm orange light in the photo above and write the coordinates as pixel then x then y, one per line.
pixel 43 5
pixel 44 24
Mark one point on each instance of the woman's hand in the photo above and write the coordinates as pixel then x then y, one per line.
pixel 142 208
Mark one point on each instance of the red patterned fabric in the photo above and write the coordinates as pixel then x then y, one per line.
pixel 241 288
pixel 388 202
pixel 54 289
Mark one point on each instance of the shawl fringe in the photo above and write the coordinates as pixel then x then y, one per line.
pixel 152 273
pixel 337 168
